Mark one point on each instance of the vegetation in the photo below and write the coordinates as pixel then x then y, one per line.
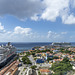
pixel 66 51
pixel 74 57
pixel 35 58
pixel 38 51
pixel 26 60
pixel 24 69
pixel 33 53
pixel 34 67
pixel 48 59
pixel 47 50
pixel 39 73
pixel 55 57
pixel 27 54
pixel 51 51
pixel 19 60
pixel 61 67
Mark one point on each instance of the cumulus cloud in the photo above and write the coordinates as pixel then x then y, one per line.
pixel 70 19
pixel 22 9
pixel 57 37
pixel 52 35
pixel 35 17
pixel 21 34
pixel 53 8
pixel 20 30
pixel 1 28
pixel 59 8
pixel 39 9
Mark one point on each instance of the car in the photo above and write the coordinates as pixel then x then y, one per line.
pixel 19 65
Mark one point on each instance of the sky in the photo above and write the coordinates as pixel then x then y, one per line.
pixel 37 20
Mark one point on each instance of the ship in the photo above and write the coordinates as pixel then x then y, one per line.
pixel 61 44
pixel 7 53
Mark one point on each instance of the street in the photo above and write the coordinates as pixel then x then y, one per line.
pixel 32 60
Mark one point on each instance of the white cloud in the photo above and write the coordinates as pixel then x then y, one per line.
pixel 39 9
pixel 57 37
pixel 35 17
pixel 70 19
pixel 63 32
pixel 1 28
pixel 52 35
pixel 59 8
pixel 21 34
pixel 20 30
pixel 53 8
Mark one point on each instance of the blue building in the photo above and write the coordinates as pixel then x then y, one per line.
pixel 48 56
pixel 55 51
pixel 39 61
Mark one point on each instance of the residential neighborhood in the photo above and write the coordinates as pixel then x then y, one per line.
pixel 45 60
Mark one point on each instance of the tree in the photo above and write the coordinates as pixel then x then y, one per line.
pixel 61 67
pixel 26 60
pixel 48 59
pixel 74 57
pixel 55 57
pixel 33 54
pixel 51 51
pixel 65 60
pixel 34 67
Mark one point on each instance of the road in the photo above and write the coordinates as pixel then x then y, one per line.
pixel 33 63
pixel 34 72
pixel 32 60
pixel 21 70
pixel 28 70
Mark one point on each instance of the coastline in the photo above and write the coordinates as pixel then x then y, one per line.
pixel 25 46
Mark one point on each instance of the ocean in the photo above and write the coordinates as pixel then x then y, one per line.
pixel 21 46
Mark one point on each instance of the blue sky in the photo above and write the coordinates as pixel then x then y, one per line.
pixel 37 21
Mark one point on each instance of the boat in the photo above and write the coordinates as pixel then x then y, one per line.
pixel 61 44
pixel 7 53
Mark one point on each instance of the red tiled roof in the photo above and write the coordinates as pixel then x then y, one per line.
pixel 44 70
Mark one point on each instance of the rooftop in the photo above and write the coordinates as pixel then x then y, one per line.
pixel 44 70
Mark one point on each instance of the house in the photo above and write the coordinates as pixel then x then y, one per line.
pixel 55 51
pixel 73 63
pixel 45 71
pixel 73 67
pixel 57 60
pixel 38 54
pixel 39 61
pixel 47 55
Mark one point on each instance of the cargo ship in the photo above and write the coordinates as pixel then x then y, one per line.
pixel 7 53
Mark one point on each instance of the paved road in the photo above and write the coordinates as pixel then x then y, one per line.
pixel 32 60
pixel 21 70
pixel 34 72
pixel 33 63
